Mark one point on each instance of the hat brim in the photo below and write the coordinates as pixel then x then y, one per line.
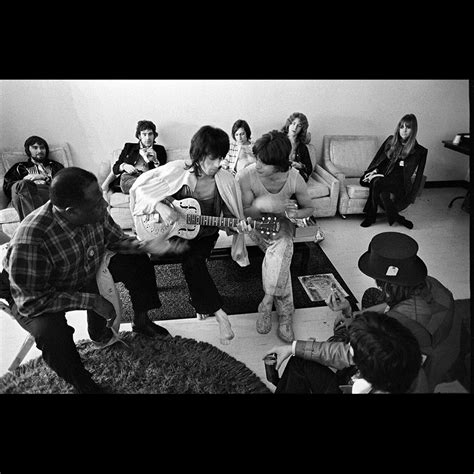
pixel 411 274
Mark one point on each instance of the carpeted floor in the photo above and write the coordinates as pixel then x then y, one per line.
pixel 240 287
pixel 168 366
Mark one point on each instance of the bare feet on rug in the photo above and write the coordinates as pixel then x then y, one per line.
pixel 224 327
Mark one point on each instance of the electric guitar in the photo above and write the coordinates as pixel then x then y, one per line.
pixel 190 221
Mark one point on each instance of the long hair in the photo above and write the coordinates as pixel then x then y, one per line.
pixel 32 141
pixel 394 294
pixel 302 136
pixel 395 147
pixel 386 353
pixel 273 148
pixel 68 186
pixel 241 124
pixel 207 141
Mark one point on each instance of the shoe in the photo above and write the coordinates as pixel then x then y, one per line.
pixel 408 224
pixel 103 340
pixel 150 329
pixel 367 222
pixel 85 385
pixel 264 319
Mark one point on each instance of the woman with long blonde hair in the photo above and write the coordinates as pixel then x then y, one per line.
pixel 389 175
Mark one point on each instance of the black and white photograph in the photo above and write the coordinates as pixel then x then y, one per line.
pixel 180 235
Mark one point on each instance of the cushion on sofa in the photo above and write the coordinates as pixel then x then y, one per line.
pixel 317 189
pixel 119 200
pixel 355 190
pixel 9 215
pixel 352 156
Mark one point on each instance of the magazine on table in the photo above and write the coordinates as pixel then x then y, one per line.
pixel 318 287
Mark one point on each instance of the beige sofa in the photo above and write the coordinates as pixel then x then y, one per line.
pixel 347 157
pixel 322 187
pixel 9 218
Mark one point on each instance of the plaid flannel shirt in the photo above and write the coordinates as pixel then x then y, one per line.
pixel 49 261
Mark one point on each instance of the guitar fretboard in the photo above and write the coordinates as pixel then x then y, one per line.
pixel 211 220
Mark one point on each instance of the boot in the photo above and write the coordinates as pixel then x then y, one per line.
pixel 143 325
pixel 264 319
pixel 285 328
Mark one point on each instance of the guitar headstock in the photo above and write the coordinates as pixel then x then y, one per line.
pixel 268 225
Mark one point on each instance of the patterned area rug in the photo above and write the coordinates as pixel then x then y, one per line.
pixel 240 287
pixel 173 365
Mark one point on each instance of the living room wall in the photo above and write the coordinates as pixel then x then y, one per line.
pixel 97 116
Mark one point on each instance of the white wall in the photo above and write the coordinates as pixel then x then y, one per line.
pixel 97 116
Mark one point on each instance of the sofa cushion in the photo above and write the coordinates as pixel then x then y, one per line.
pixel 355 190
pixel 352 155
pixel 317 189
pixel 173 154
pixel 120 200
pixel 9 214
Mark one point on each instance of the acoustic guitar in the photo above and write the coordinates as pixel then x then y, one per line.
pixel 190 221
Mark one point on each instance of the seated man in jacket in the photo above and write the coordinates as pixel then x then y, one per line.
pixel 136 158
pixel 385 355
pixel 27 183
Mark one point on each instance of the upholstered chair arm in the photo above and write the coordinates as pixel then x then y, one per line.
pixel 4 201
pixel 333 169
pixel 320 174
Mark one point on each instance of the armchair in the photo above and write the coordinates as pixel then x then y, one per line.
pixel 323 188
pixel 346 157
pixel 9 218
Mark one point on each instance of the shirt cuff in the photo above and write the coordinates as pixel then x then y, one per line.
pixel 293 347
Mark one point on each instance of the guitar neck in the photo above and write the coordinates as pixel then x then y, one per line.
pixel 211 220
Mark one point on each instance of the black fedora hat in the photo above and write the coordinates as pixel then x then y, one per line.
pixel 392 257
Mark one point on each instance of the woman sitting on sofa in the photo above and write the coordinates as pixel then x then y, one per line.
pixel 240 152
pixel 296 128
pixel 389 175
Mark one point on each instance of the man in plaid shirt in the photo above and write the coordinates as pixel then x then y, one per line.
pixel 52 262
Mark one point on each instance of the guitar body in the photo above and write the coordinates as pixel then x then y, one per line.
pixel 150 227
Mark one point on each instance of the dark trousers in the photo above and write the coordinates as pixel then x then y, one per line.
pixel 28 196
pixel 137 273
pixel 53 336
pixel 204 296
pixel 379 194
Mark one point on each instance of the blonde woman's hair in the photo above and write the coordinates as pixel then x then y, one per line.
pixel 395 145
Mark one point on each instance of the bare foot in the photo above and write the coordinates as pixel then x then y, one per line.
pixel 202 316
pixel 224 327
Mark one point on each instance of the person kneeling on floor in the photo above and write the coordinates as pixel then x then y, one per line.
pixel 384 355
pixel 51 266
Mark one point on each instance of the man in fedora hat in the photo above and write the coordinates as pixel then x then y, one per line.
pixel 406 292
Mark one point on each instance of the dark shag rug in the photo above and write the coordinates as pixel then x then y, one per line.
pixel 240 287
pixel 173 365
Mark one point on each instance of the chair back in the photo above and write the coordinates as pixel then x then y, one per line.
pixel 351 154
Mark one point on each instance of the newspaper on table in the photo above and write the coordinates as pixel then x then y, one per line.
pixel 318 287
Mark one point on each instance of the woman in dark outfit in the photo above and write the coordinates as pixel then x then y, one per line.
pixel 396 161
pixel 296 128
